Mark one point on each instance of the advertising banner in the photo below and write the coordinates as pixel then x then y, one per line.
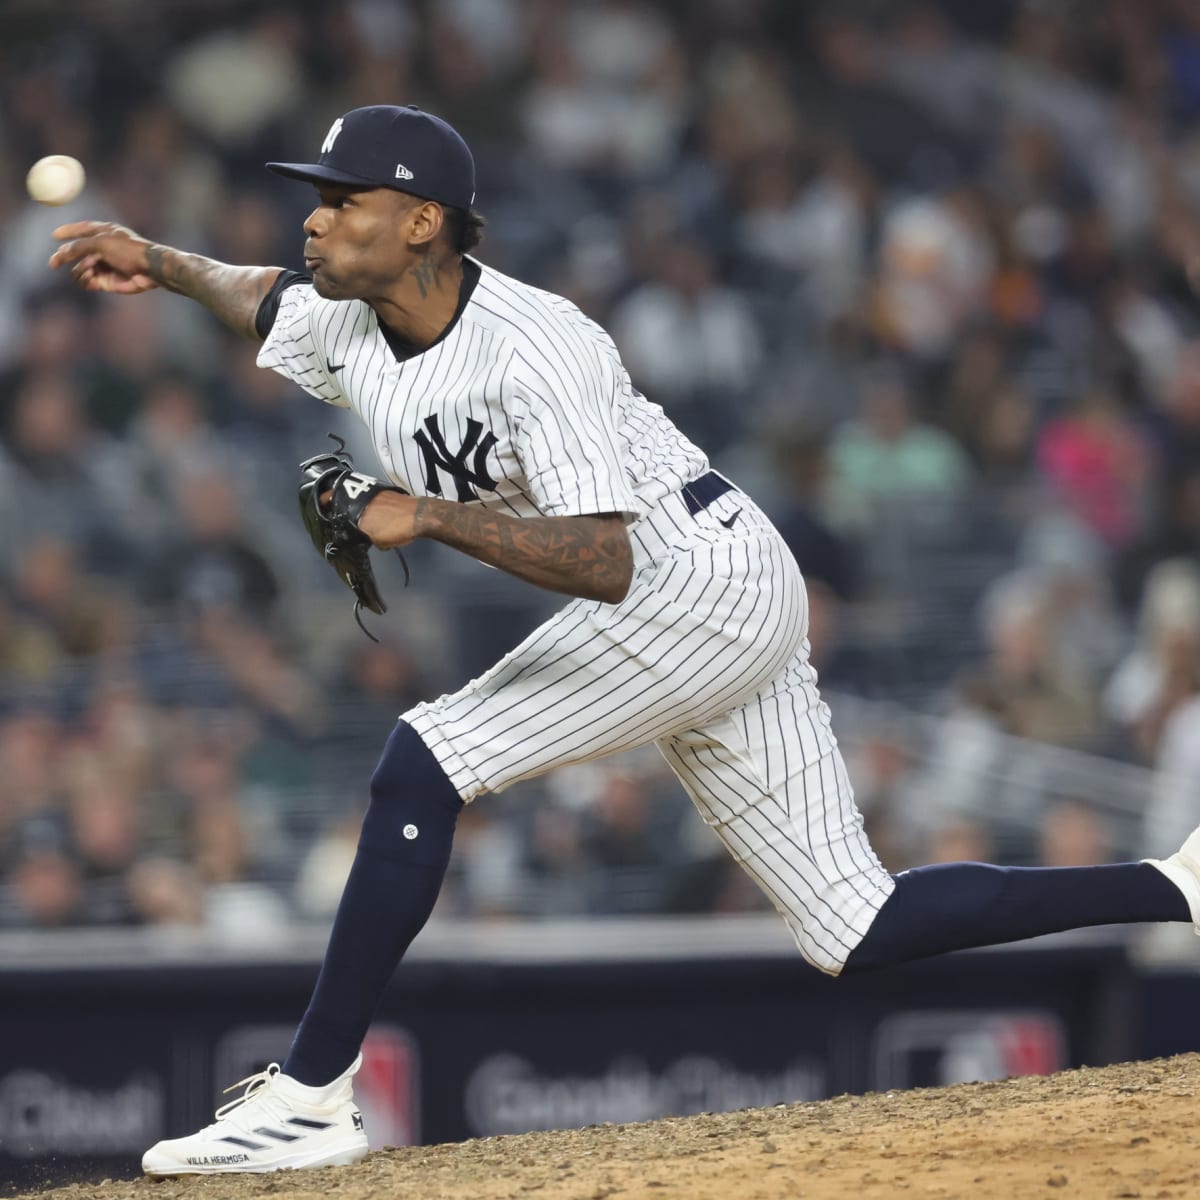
pixel 97 1065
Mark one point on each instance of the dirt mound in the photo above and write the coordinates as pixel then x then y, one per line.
pixel 1122 1131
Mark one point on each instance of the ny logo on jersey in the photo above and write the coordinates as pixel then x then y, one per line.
pixel 331 136
pixel 437 454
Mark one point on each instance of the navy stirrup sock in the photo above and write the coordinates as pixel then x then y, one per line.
pixel 953 906
pixel 402 857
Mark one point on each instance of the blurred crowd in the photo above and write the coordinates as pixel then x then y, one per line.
pixel 921 276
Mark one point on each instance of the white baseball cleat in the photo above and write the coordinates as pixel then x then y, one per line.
pixel 1183 870
pixel 276 1124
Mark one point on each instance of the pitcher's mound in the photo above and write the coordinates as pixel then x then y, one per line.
pixel 1130 1130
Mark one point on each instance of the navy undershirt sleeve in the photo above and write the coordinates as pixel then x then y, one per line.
pixel 269 308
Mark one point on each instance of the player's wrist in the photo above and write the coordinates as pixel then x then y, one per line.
pixel 425 517
pixel 161 263
pixel 388 519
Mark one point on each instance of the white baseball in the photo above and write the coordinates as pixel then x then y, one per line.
pixel 55 179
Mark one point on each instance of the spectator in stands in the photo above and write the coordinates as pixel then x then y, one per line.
pixel 1174 534
pixel 987 410
pixel 1074 834
pixel 164 891
pixel 691 343
pixel 487 876
pixel 1176 426
pixel 63 477
pixel 30 762
pixel 1162 668
pixel 30 654
pixel 170 437
pixel 373 683
pixel 802 464
pixel 1073 563
pixel 326 865
pixel 887 789
pixel 1098 462
pixel 104 810
pixel 45 885
pixel 936 263
pixel 211 563
pixel 886 456
pixel 625 846
pixel 1022 685
pixel 814 227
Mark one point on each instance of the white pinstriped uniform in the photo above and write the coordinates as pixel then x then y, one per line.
pixel 525 406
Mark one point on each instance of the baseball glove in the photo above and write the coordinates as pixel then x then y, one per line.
pixel 333 525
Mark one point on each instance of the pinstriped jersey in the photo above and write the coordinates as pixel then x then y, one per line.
pixel 522 405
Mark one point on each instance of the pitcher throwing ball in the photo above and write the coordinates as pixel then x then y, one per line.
pixel 510 424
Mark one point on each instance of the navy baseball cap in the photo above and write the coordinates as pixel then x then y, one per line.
pixel 385 145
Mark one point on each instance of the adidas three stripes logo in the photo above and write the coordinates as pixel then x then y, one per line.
pixel 278 1135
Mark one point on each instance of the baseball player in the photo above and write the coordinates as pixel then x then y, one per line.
pixel 508 428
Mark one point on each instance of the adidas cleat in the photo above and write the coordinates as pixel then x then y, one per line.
pixel 276 1124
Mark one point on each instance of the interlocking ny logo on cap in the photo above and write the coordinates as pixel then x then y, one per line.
pixel 402 172
pixel 331 136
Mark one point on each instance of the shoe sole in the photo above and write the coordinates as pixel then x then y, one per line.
pixel 341 1157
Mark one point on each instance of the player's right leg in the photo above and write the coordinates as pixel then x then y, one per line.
pixel 304 1115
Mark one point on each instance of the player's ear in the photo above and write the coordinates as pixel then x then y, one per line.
pixel 424 223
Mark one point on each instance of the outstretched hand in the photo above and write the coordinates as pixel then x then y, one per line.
pixel 104 257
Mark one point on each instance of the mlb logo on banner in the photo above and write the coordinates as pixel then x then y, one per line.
pixel 935 1048
pixel 386 1088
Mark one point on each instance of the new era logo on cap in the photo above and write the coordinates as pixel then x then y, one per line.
pixel 384 145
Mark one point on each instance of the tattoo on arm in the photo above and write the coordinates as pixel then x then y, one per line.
pixel 232 294
pixel 579 556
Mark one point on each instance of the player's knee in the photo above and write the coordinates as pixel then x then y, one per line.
pixel 414 806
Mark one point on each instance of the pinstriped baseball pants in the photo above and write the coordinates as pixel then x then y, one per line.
pixel 707 657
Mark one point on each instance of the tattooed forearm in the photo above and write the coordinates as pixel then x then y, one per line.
pixel 580 556
pixel 231 293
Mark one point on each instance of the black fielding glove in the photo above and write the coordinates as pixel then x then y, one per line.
pixel 333 527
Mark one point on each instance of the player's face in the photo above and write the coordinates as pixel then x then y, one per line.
pixel 356 248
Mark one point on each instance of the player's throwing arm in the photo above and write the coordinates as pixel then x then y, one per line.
pixel 104 257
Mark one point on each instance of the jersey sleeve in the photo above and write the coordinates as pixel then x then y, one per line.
pixel 566 436
pixel 290 347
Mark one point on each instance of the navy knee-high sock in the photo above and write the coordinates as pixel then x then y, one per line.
pixel 953 906
pixel 397 874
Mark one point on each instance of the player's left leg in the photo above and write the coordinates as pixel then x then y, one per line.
pixel 769 778
pixel 953 906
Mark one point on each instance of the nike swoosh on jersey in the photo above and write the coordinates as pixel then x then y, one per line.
pixel 728 521
pixel 335 367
